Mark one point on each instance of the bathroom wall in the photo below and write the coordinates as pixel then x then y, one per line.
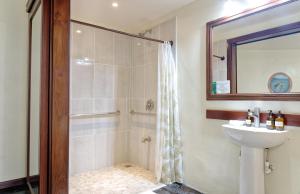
pixel 13 89
pixel 144 87
pixel 100 69
pixel 211 161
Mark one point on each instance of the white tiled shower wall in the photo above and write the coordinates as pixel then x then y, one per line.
pixel 144 82
pixel 100 67
pixel 111 72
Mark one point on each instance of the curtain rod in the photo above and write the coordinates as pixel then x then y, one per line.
pixel 119 32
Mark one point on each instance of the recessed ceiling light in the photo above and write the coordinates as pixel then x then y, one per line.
pixel 78 31
pixel 232 7
pixel 115 4
pixel 256 3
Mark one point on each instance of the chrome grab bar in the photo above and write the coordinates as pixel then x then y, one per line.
pixel 98 115
pixel 142 113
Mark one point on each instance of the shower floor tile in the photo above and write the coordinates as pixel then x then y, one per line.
pixel 120 179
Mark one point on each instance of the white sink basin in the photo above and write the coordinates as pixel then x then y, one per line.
pixel 254 137
pixel 253 141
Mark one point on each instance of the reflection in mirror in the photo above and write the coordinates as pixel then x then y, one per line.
pixel 35 79
pixel 248 67
pixel 271 65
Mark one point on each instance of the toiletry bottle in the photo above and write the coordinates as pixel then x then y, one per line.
pixel 249 119
pixel 279 122
pixel 270 123
pixel 214 88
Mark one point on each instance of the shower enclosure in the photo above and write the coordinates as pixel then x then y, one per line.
pixel 113 92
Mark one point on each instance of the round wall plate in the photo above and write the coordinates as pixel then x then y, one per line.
pixel 280 83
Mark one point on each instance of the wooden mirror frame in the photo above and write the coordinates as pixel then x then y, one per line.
pixel 244 96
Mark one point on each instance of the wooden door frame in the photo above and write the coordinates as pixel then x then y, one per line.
pixel 45 82
pixel 54 111
pixel 59 97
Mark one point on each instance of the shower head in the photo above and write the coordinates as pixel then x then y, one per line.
pixel 143 34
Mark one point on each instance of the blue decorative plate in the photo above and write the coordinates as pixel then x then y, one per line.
pixel 280 83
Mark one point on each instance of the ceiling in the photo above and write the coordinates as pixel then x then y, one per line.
pixel 130 16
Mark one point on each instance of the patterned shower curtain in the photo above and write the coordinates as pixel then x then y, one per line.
pixel 168 148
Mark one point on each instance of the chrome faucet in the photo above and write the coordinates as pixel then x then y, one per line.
pixel 256 116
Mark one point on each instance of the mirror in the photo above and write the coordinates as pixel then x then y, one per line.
pixel 34 95
pixel 269 66
pixel 255 55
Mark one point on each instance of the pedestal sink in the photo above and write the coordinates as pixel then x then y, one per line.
pixel 253 141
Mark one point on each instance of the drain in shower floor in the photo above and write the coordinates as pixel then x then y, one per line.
pixel 127 165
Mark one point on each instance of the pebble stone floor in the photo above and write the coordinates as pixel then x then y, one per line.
pixel 120 179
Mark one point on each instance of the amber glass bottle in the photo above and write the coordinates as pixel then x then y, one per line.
pixel 249 119
pixel 270 123
pixel 279 122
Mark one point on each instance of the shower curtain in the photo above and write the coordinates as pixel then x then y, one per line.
pixel 168 147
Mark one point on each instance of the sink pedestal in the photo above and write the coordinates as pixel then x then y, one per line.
pixel 252 171
pixel 253 142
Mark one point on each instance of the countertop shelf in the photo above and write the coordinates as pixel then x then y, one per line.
pixel 290 119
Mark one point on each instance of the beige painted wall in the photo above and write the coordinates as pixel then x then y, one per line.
pixel 211 162
pixel 13 89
